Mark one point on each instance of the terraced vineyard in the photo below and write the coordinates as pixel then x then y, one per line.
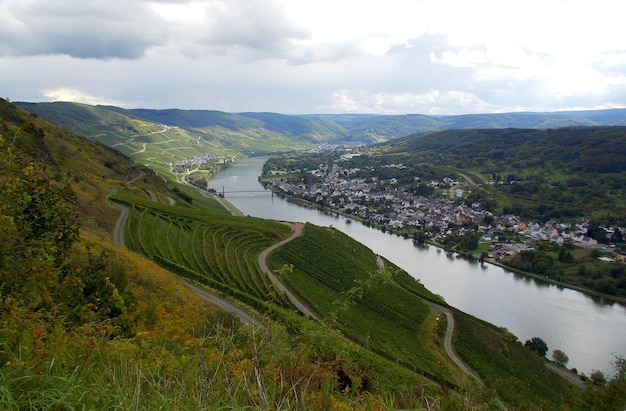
pixel 381 311
pixel 218 250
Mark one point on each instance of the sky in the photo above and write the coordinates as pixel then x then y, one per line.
pixel 433 57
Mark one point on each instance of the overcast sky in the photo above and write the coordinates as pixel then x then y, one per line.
pixel 317 56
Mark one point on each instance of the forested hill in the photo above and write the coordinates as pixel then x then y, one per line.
pixel 242 132
pixel 83 172
pixel 590 149
pixel 383 128
pixel 564 171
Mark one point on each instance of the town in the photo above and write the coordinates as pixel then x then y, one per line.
pixel 392 207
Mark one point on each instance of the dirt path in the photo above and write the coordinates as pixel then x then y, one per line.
pixel 118 231
pixel 297 231
pixel 447 341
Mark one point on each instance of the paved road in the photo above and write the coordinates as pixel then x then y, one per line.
pixel 118 238
pixel 225 306
pixel 118 231
pixel 567 374
pixel 447 340
pixel 297 231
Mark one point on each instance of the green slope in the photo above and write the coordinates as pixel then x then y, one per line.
pixel 157 137
pixel 222 249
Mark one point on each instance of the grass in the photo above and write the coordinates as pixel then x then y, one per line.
pixel 382 316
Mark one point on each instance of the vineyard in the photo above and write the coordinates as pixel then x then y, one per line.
pixel 218 250
pixel 377 306
pixel 382 311
pixel 334 275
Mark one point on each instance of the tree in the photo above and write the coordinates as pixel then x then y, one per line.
pixel 598 378
pixel 537 345
pixel 419 237
pixel 620 368
pixel 472 242
pixel 560 357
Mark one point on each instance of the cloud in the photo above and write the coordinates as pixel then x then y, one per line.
pixel 431 102
pixel 295 56
pixel 252 24
pixel 81 29
pixel 77 96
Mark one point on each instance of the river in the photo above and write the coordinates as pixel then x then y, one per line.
pixel 589 330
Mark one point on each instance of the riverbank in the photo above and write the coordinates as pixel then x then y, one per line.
pixel 543 279
pixel 548 280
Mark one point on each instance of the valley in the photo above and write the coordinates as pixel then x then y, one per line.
pixel 380 344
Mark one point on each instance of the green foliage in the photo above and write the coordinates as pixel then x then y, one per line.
pixel 572 172
pixel 341 280
pixel 537 345
pixel 518 376
pixel 217 249
pixel 585 270
pixel 533 261
pixel 560 357
pixel 43 266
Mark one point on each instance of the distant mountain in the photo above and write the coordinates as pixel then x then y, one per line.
pixel 272 132
pixel 191 118
pixel 383 128
pixel 317 128
pixel 303 128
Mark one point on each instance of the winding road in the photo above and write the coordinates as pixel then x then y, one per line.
pixel 118 238
pixel 297 231
pixel 447 339
pixel 244 317
pixel 118 231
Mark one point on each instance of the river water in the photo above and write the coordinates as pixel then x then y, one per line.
pixel 590 331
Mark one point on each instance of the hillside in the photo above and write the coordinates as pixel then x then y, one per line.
pixel 172 135
pixel 210 131
pixel 555 173
pixel 85 322
pixel 465 188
